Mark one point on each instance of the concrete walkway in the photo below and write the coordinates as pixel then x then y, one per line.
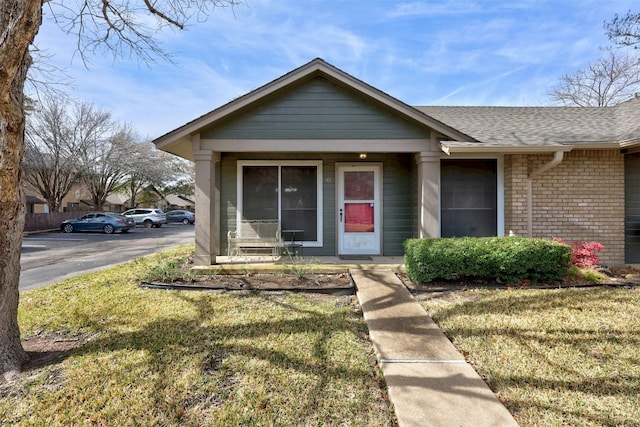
pixel 429 382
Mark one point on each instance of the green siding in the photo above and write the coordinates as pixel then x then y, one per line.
pixel 316 109
pixel 398 197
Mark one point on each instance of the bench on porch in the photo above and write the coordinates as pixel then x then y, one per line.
pixel 254 236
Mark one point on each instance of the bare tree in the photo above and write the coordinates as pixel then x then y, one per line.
pixel 624 30
pixel 107 163
pixel 184 182
pixel 121 27
pixel 57 130
pixel 150 167
pixel 611 79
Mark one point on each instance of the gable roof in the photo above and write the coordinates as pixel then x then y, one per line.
pixel 178 141
pixel 462 129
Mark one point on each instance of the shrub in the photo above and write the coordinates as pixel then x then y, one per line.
pixel 583 254
pixel 508 259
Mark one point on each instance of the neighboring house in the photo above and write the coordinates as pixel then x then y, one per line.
pixel 360 171
pixel 77 199
pixel 117 202
pixel 35 204
pixel 179 201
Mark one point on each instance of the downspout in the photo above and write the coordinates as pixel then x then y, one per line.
pixel 557 158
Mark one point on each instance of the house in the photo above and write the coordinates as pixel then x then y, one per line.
pixel 34 204
pixel 359 172
pixel 178 201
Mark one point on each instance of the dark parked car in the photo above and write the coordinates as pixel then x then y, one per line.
pixel 148 217
pixel 103 221
pixel 185 217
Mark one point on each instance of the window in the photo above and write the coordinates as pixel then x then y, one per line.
pixel 469 198
pixel 289 191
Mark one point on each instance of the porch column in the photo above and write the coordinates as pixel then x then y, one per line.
pixel 428 194
pixel 205 207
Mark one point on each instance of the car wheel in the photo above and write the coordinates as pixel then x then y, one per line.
pixel 108 229
pixel 147 223
pixel 185 221
pixel 125 230
pixel 158 225
pixel 68 228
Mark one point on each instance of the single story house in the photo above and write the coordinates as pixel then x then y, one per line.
pixel 179 201
pixel 359 172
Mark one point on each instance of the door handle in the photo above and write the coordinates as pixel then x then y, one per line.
pixel 340 215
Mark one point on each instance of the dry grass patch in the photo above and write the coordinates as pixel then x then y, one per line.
pixel 554 357
pixel 151 357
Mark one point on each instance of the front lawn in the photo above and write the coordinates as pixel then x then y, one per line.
pixel 150 357
pixel 555 357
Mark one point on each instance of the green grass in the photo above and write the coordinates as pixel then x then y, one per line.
pixel 555 357
pixel 194 358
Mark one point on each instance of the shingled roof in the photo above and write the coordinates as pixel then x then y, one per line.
pixel 542 126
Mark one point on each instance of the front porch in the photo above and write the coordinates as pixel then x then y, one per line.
pixel 285 264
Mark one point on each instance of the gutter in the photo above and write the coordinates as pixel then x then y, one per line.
pixel 449 148
pixel 557 158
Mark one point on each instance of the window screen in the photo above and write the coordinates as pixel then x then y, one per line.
pixel 299 200
pixel 260 192
pixel 468 198
pixel 285 192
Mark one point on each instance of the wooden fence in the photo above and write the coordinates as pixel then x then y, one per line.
pixel 48 221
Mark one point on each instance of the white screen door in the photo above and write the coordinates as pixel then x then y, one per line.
pixel 359 205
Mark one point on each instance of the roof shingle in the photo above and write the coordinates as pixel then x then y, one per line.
pixel 541 126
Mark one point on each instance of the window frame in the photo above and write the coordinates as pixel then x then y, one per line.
pixel 279 164
pixel 499 188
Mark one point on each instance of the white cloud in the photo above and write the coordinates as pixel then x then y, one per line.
pixel 421 52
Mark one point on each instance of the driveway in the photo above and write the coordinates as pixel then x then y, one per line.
pixel 51 257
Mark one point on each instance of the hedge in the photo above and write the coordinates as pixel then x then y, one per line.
pixel 508 259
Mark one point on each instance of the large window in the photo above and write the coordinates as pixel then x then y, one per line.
pixel 469 198
pixel 289 191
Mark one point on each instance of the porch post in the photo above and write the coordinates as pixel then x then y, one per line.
pixel 205 207
pixel 428 194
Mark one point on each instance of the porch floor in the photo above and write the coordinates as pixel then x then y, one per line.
pixel 320 264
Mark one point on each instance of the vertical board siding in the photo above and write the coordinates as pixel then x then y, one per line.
pixel 316 109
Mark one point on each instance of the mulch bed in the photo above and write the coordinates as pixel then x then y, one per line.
pixel 263 282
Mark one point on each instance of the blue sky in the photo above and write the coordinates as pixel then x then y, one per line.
pixel 449 52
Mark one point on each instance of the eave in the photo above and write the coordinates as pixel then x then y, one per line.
pixel 454 147
pixel 178 141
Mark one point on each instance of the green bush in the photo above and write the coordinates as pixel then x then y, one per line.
pixel 509 259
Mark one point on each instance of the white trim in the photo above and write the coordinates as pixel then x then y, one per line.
pixel 499 188
pixel 317 145
pixel 377 168
pixel 279 163
pixel 451 147
pixel 629 143
pixel 312 68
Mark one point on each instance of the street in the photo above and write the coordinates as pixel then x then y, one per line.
pixel 51 257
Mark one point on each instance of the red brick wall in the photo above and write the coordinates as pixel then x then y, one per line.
pixel 582 198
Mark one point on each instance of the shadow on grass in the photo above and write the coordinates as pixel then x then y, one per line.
pixel 246 338
pixel 583 353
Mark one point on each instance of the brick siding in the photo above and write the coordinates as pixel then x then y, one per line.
pixel 582 198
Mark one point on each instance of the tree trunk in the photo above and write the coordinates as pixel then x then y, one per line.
pixel 19 23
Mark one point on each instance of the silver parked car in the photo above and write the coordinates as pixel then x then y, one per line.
pixel 148 217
